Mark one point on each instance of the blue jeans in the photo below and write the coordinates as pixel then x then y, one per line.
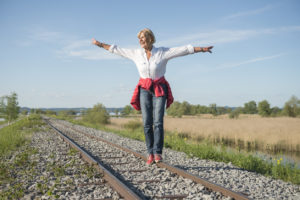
pixel 153 110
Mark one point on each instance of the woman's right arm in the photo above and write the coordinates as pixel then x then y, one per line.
pixel 99 44
pixel 127 53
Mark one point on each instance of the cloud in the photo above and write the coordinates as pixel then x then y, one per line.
pixel 224 36
pixel 45 35
pixel 38 35
pixel 69 46
pixel 209 38
pixel 249 12
pixel 85 50
pixel 254 60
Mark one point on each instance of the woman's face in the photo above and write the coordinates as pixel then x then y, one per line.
pixel 144 42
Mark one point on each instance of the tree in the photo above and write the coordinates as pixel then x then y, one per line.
pixel 39 111
pixel 32 111
pixel 264 108
pixel 9 107
pixel 117 112
pixel 185 108
pixel 223 110
pixel 2 106
pixel 66 113
pixel 202 109
pixel 275 111
pixel 97 115
pixel 292 107
pixel 24 112
pixel 174 110
pixel 127 110
pixel 250 107
pixel 213 109
pixel 50 112
pixel 235 113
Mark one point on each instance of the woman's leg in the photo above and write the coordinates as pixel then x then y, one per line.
pixel 147 110
pixel 158 115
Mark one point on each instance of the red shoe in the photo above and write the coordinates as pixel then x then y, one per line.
pixel 157 158
pixel 150 159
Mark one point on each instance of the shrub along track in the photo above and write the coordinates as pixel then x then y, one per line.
pixel 126 171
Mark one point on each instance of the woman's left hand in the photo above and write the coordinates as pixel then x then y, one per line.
pixel 207 49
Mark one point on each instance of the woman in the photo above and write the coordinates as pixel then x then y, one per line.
pixel 153 92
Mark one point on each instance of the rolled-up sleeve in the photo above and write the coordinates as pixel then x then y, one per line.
pixel 127 53
pixel 178 51
pixel 111 48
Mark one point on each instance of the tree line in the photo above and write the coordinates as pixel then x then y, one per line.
pixel 263 108
pixel 9 110
pixel 291 108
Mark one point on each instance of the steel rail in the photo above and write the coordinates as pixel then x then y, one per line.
pixel 206 183
pixel 113 181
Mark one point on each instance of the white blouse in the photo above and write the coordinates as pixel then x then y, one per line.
pixel 155 67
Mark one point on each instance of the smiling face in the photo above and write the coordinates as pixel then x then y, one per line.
pixel 145 42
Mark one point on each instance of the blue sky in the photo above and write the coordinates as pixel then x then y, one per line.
pixel 48 60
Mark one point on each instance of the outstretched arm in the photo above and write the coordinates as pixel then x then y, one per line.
pixel 127 53
pixel 203 49
pixel 99 44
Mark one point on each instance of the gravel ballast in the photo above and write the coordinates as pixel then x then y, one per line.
pixel 254 185
pixel 150 183
pixel 52 170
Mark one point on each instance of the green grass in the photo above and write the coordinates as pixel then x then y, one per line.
pixel 206 150
pixel 289 173
pixel 21 166
pixel 13 137
pixel 16 134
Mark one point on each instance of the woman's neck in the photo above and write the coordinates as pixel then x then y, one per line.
pixel 148 49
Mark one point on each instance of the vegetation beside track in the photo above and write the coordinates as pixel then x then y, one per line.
pixel 20 171
pixel 18 133
pixel 12 138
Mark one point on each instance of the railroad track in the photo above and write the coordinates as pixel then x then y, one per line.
pixel 125 170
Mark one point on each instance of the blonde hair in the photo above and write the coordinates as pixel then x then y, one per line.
pixel 148 34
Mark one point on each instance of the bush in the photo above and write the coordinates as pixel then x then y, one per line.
pixel 250 107
pixel 16 134
pixel 264 108
pixel 175 110
pixel 97 115
pixel 275 111
pixel 127 110
pixel 133 125
pixel 234 114
pixel 292 107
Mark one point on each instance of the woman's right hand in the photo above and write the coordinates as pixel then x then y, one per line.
pixel 99 44
pixel 95 42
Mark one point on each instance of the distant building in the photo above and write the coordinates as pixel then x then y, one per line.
pixel 114 114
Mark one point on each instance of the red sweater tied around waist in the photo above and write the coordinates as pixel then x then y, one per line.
pixel 158 91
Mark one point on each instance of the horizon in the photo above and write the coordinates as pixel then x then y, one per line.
pixel 49 61
pixel 226 106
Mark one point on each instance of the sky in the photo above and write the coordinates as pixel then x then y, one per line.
pixel 47 58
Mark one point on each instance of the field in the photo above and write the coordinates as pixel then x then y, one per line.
pixel 249 132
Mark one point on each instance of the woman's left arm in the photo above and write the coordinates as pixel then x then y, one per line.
pixel 203 49
pixel 174 52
